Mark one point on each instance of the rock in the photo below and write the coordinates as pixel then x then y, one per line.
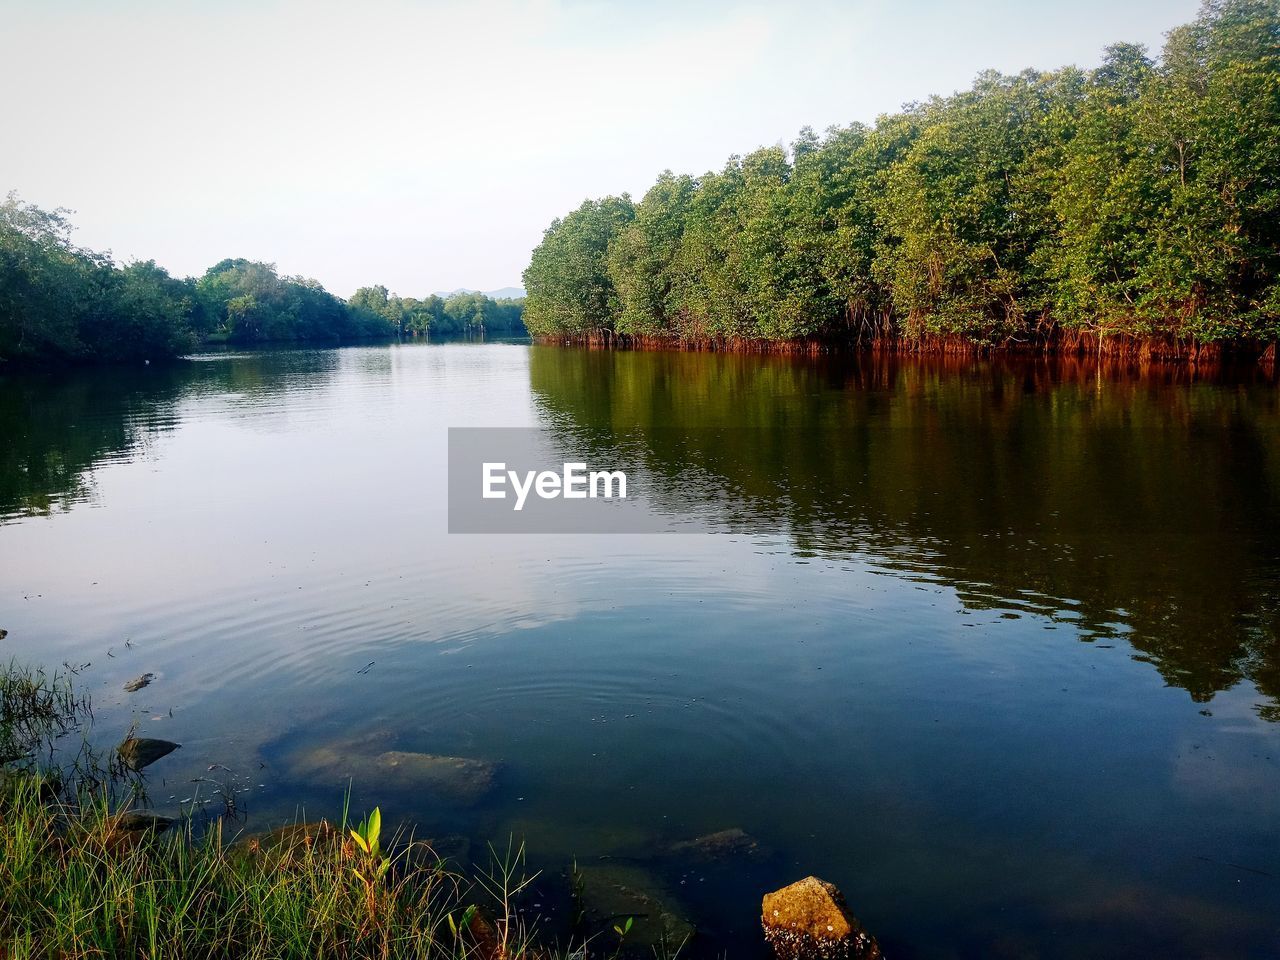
pixel 139 752
pixel 134 822
pixel 133 686
pixel 456 780
pixel 721 845
pixel 486 944
pixel 47 786
pixel 294 842
pixel 3 634
pixel 810 920
pixel 610 894
pixel 129 830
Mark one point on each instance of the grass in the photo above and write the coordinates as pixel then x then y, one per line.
pixel 75 883
pixel 81 875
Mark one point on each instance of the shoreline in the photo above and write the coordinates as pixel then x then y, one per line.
pixel 1117 348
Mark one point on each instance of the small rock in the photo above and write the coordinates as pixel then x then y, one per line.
pixel 809 920
pixel 3 634
pixel 133 686
pixel 47 787
pixel 139 752
pixel 134 822
pixel 130 830
pixel 294 842
pixel 486 944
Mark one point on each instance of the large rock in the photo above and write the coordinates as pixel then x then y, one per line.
pixel 456 780
pixel 809 919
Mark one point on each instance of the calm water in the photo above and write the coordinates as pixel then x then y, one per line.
pixel 994 648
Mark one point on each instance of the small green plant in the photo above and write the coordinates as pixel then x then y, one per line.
pixel 577 896
pixel 367 837
pixel 622 929
pixel 463 923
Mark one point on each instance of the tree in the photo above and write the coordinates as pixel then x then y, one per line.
pixel 568 283
pixel 1137 201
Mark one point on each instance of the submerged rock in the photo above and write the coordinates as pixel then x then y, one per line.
pixel 139 752
pixel 133 686
pixel 612 894
pixel 456 780
pixel 721 845
pixel 809 920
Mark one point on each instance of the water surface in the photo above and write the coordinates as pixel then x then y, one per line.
pixel 991 646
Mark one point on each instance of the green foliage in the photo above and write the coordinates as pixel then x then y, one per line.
pixel 1138 199
pixel 570 289
pixel 462 314
pixel 63 303
pixel 248 302
pixel 368 837
pixel 60 303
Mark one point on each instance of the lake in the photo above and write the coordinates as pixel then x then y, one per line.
pixel 993 646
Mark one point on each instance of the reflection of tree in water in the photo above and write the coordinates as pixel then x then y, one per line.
pixel 1142 506
pixel 56 429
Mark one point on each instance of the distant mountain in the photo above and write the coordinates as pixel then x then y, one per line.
pixel 504 293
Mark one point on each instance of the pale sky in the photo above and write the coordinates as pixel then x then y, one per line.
pixel 426 145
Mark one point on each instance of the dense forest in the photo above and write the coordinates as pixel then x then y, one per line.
pixel 1134 207
pixel 60 303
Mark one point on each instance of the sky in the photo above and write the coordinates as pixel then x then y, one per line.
pixel 427 145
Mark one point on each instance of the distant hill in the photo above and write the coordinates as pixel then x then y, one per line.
pixel 504 293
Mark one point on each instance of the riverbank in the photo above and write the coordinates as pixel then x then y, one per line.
pixel 81 879
pixel 1121 347
pixel 88 870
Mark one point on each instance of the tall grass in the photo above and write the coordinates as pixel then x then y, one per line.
pixel 76 881
pixel 81 875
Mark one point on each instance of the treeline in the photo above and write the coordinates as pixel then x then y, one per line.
pixel 1133 206
pixel 60 303
pixel 458 314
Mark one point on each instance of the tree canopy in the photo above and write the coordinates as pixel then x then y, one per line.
pixel 61 303
pixel 1137 200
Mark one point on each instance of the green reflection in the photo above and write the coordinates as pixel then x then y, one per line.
pixel 54 429
pixel 1146 506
